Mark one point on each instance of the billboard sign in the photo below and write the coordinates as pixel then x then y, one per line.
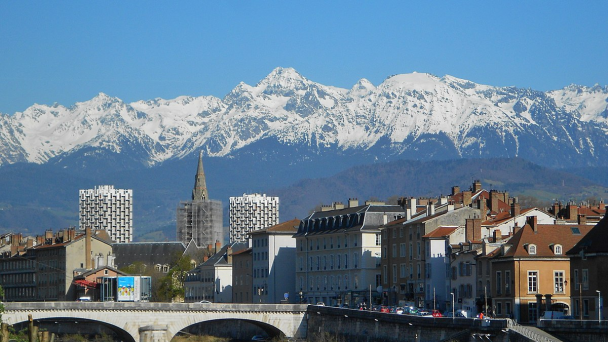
pixel 126 289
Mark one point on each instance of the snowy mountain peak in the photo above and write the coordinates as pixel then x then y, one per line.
pixel 415 115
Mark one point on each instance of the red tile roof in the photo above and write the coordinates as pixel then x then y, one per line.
pixel 544 238
pixel 440 232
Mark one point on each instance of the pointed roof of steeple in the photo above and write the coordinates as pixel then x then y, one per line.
pixel 199 193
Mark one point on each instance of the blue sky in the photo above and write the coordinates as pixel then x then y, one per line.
pixel 68 51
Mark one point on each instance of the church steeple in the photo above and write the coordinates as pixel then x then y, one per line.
pixel 199 193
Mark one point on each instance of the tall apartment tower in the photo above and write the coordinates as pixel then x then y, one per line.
pixel 252 212
pixel 107 208
pixel 201 218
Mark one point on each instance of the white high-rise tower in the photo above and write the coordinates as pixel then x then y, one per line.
pixel 252 212
pixel 107 208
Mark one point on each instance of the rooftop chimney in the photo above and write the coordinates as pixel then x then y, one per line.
pixel 473 229
pixel 431 209
pixel 515 209
pixel 582 219
pixel 455 190
pixel 87 248
pixel 466 198
pixel 353 202
pixel 483 211
pixel 494 200
pixel 476 186
pixel 533 222
pixel 572 210
pixel 413 206
pixel 218 246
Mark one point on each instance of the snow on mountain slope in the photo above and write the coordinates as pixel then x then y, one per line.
pixel 404 114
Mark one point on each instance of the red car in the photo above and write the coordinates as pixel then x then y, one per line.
pixel 385 309
pixel 437 313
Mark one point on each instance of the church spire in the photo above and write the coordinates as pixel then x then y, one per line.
pixel 199 193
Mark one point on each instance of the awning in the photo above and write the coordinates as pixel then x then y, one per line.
pixel 85 283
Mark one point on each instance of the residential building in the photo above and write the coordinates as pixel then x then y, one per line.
pixel 252 212
pixel 201 218
pixel 242 276
pixel 338 252
pixel 109 209
pixel 589 266
pixel 212 280
pixel 573 213
pixel 530 272
pixel 42 268
pixel 437 247
pixel 404 256
pixel 274 261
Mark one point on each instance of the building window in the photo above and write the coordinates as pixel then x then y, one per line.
pixel 385 274
pixel 402 250
pixel 532 249
pixel 585 279
pixel 557 249
pixel 586 307
pixel 394 274
pixel 402 270
pixel 558 277
pixel 532 312
pixel 499 308
pixel 507 282
pixel 576 280
pixel 394 251
pixel 498 283
pixel 532 282
pixel 378 240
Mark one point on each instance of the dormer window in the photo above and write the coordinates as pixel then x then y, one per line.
pixel 557 249
pixel 532 249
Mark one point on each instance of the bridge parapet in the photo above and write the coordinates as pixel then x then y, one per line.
pixel 130 317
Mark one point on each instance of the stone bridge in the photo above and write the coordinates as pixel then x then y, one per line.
pixel 160 322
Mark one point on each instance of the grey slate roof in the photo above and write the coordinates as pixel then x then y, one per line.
pixel 149 253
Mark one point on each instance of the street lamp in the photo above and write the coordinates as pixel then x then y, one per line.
pixel 300 297
pixel 452 293
pixel 599 306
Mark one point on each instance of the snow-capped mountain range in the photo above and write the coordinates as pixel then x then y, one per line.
pixel 414 115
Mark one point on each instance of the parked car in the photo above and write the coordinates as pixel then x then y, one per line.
pixel 384 309
pixel 205 302
pixel 259 338
pixel 399 311
pixel 436 313
pixel 320 304
pixel 457 313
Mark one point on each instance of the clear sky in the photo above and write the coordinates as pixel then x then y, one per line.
pixel 68 51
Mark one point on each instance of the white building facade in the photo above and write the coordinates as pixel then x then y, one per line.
pixel 274 254
pixel 252 212
pixel 109 209
pixel 338 253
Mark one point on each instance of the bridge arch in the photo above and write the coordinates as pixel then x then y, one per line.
pixel 235 328
pixel 76 326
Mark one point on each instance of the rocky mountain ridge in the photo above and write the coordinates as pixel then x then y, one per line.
pixel 415 116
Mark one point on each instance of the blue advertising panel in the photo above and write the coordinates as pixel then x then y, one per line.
pixel 126 289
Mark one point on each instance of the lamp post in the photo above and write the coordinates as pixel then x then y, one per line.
pixel 599 306
pixel 452 293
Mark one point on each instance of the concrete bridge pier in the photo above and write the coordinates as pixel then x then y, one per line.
pixel 153 333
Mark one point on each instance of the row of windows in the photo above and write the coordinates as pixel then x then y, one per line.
pixel 324 263
pixel 403 251
pixel 328 243
pixel 332 282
